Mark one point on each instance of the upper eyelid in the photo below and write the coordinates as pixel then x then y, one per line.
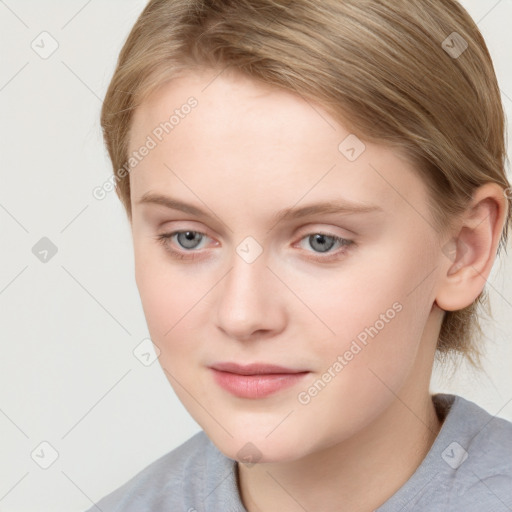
pixel 307 229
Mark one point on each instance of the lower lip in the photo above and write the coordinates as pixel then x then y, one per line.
pixel 256 386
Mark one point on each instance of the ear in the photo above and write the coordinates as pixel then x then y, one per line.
pixel 470 254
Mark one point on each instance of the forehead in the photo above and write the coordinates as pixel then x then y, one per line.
pixel 229 102
pixel 247 138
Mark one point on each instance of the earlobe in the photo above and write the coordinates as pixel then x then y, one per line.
pixel 467 258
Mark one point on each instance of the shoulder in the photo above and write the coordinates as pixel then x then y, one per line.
pixel 479 455
pixel 468 468
pixel 166 482
pixel 471 459
pixel 485 440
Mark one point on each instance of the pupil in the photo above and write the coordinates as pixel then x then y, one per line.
pixel 321 241
pixel 189 237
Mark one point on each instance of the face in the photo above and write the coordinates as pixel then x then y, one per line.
pixel 340 295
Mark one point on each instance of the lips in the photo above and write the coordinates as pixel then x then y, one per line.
pixel 255 380
pixel 253 369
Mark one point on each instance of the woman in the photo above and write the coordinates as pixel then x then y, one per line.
pixel 317 194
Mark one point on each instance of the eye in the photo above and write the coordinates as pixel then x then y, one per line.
pixel 323 243
pixel 186 239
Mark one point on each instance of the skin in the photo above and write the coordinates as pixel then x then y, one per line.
pixel 244 153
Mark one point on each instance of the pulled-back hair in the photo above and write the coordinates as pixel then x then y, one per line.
pixel 412 74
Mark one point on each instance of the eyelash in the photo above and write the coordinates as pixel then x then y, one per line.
pixel 164 237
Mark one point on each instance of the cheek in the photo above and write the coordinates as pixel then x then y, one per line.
pixel 377 306
pixel 370 359
pixel 168 296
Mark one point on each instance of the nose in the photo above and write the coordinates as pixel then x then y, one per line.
pixel 250 301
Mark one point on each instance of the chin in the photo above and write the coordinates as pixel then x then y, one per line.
pixel 256 447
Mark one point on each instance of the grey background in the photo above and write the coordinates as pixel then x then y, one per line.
pixel 70 325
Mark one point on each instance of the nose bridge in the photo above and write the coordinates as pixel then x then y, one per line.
pixel 246 303
pixel 247 281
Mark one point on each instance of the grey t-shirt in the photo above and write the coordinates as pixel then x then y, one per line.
pixel 468 469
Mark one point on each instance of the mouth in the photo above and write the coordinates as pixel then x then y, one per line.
pixel 255 380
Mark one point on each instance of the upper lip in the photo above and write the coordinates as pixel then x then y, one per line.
pixel 253 368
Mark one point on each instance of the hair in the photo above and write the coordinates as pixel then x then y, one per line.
pixel 382 67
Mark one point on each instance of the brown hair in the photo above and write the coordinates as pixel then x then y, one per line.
pixel 414 74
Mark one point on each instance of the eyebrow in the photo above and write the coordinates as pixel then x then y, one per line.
pixel 327 207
